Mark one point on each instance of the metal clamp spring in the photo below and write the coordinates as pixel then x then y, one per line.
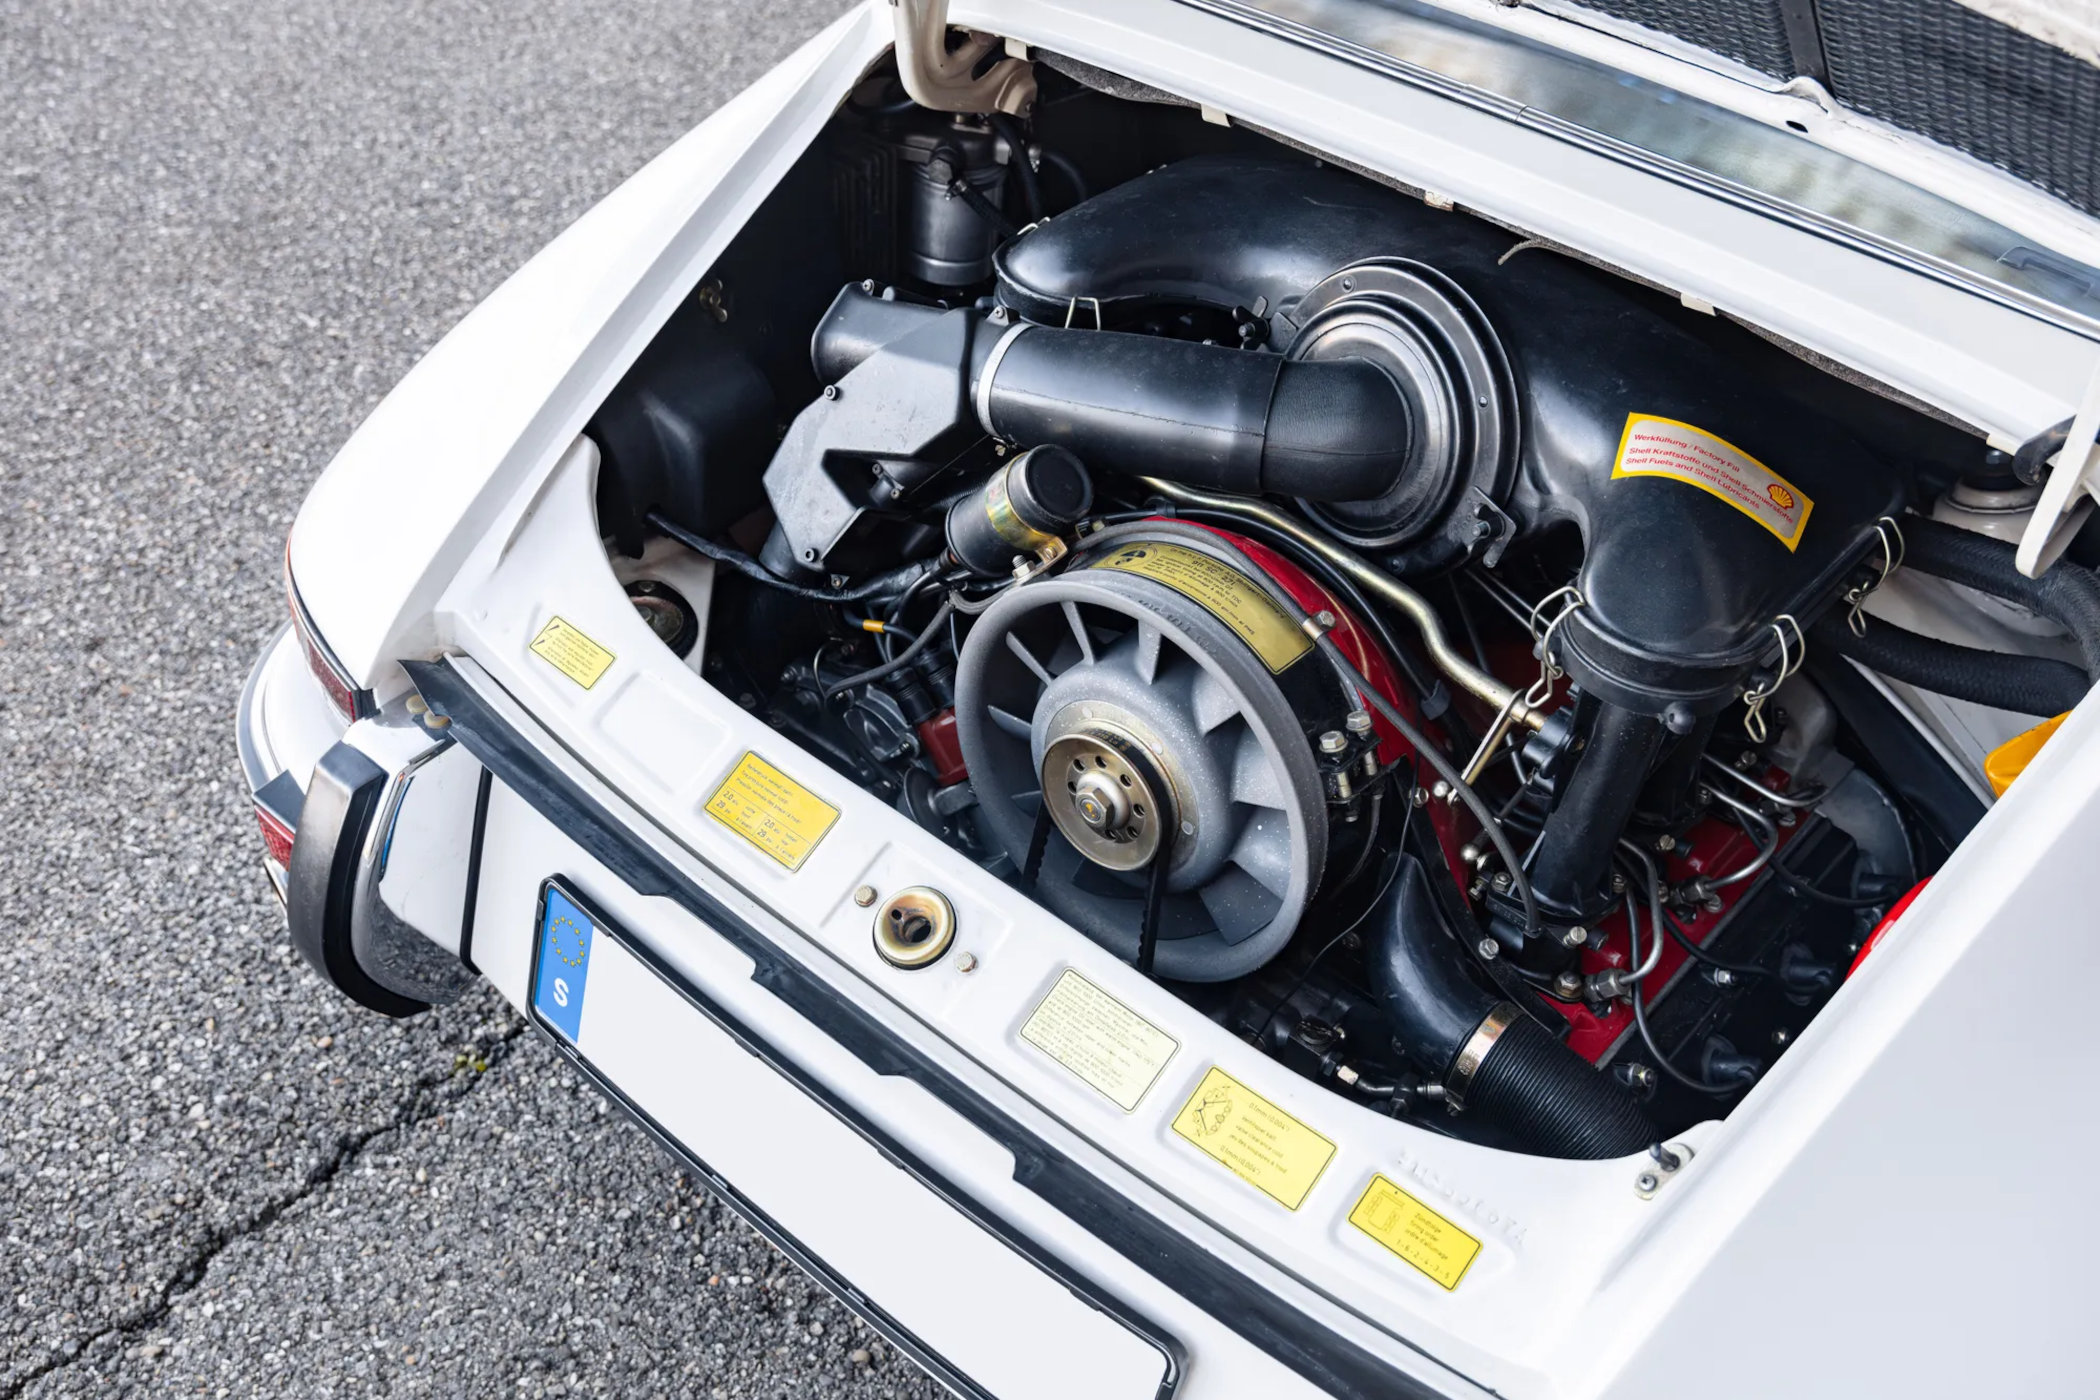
pixel 1790 660
pixel 1892 550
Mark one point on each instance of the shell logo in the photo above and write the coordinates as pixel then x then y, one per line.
pixel 1781 497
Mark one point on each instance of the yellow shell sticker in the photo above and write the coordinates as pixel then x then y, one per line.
pixel 1220 590
pixel 568 651
pixel 1254 1139
pixel 1652 446
pixel 1109 1047
pixel 1415 1232
pixel 772 811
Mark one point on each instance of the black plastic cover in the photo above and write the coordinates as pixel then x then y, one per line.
pixel 683 433
pixel 1682 589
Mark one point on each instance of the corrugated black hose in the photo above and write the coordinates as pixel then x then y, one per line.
pixel 2027 685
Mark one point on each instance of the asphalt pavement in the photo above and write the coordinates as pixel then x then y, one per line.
pixel 228 227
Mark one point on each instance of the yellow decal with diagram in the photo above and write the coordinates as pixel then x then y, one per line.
pixel 1414 1232
pixel 562 645
pixel 1254 1139
pixel 1220 590
pixel 1652 446
pixel 772 811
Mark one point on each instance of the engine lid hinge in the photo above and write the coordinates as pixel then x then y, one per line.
pixel 2070 487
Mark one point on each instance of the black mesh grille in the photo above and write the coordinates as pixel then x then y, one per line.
pixel 1749 31
pixel 1932 66
pixel 1939 68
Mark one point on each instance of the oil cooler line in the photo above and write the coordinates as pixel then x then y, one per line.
pixel 1506 700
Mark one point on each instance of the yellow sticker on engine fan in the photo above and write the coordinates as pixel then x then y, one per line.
pixel 1652 446
pixel 772 811
pixel 1415 1232
pixel 1109 1047
pixel 1220 590
pixel 568 651
pixel 1254 1139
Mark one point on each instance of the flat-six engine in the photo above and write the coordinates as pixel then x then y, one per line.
pixel 1447 663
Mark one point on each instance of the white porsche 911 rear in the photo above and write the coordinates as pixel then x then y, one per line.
pixel 1301 697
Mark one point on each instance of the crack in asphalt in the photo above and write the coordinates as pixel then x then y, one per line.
pixel 424 1101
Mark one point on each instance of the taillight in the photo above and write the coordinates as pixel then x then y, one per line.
pixel 350 702
pixel 277 837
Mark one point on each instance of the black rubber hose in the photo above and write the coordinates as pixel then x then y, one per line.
pixel 882 585
pixel 1063 166
pixel 1423 976
pixel 2068 593
pixel 1017 145
pixel 926 637
pixel 2027 685
pixel 1547 1099
pixel 1575 851
pixel 1209 415
pixel 982 206
pixel 1553 1102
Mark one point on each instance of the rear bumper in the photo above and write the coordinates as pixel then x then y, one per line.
pixel 1223 1330
pixel 1002 1263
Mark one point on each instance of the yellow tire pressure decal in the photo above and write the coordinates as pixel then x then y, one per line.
pixel 561 645
pixel 1414 1232
pixel 1254 1139
pixel 772 811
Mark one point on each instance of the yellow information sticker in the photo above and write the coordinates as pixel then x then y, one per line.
pixel 1415 1232
pixel 1220 590
pixel 568 651
pixel 1254 1139
pixel 1652 446
pixel 1109 1047
pixel 772 811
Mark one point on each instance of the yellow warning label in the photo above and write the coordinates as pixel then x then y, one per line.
pixel 1220 590
pixel 1253 1138
pixel 772 811
pixel 1107 1045
pixel 1414 1232
pixel 568 651
pixel 1653 446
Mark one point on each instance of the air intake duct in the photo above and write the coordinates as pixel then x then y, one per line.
pixel 1381 420
pixel 1207 415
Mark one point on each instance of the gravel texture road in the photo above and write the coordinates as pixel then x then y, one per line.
pixel 228 228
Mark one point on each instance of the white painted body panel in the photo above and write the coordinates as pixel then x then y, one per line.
pixel 974 1301
pixel 1893 1210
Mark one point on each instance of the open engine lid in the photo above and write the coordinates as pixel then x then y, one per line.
pixel 1811 107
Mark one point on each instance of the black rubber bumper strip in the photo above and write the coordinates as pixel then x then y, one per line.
pixel 342 798
pixel 1335 1363
pixel 473 895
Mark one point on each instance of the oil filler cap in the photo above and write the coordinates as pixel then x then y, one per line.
pixel 914 927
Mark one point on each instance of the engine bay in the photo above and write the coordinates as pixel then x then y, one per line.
pixel 1462 671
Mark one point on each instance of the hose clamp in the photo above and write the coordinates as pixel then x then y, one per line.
pixel 983 396
pixel 1473 1054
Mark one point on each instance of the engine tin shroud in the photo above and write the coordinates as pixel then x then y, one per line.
pixel 1681 591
